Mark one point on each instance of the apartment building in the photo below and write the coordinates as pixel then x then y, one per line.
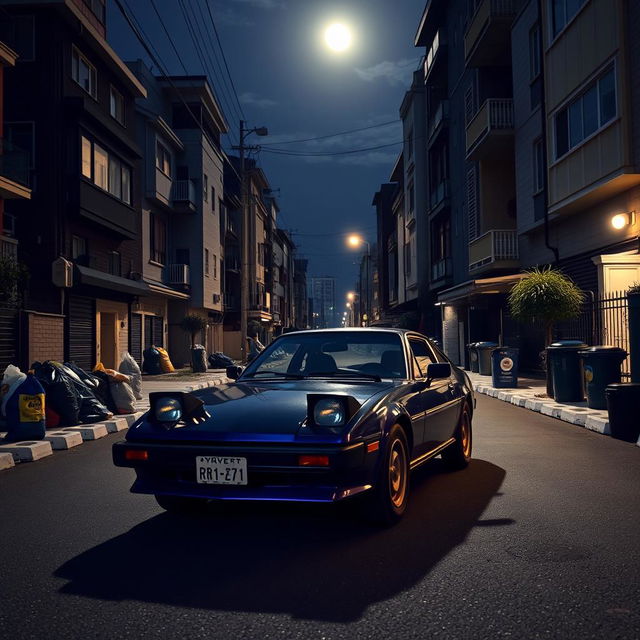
pixel 323 305
pixel 301 300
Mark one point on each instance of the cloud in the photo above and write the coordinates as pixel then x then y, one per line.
pixel 395 73
pixel 257 101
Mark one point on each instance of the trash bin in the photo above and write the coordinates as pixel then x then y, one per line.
pixel 484 350
pixel 566 370
pixel 504 367
pixel 623 405
pixel 473 357
pixel 601 367
pixel 199 359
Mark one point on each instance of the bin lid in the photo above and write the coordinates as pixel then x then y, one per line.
pixel 486 345
pixel 569 345
pixel 604 350
pixel 506 349
pixel 625 388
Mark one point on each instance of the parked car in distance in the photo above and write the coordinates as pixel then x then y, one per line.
pixel 318 416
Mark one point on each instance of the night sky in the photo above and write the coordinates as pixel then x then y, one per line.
pixel 288 80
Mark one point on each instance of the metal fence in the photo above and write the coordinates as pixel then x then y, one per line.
pixel 603 320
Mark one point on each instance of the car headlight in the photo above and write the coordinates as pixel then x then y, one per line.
pixel 329 412
pixel 168 410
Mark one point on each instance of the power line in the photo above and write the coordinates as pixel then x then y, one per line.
pixel 319 154
pixel 341 133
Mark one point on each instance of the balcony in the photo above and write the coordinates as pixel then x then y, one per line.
pixel 437 52
pixel 439 195
pixel 8 248
pixel 441 270
pixel 232 226
pixel 231 302
pixel 487 41
pixel 161 191
pixel 177 274
pixel 491 129
pixel 232 263
pixel 437 120
pixel 183 194
pixel 14 171
pixel 496 249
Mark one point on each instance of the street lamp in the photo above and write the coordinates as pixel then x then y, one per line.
pixel 355 240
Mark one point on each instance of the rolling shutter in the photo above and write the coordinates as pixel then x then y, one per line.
pixel 81 332
pixel 135 336
pixel 8 338
pixel 158 333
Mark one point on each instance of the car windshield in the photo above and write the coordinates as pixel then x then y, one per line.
pixel 359 354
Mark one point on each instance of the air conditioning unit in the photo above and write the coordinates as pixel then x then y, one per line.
pixel 216 298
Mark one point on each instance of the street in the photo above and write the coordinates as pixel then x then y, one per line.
pixel 538 538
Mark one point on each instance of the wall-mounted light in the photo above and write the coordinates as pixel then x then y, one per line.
pixel 622 220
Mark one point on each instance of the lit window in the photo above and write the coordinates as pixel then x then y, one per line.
pixel 100 167
pixel 163 159
pixel 86 158
pixel 116 105
pixel 84 73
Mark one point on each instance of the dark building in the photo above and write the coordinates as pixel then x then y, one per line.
pixel 73 106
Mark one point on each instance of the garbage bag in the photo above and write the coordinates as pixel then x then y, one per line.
pixel 123 396
pixel 130 367
pixel 104 391
pixel 25 410
pixel 61 394
pixel 165 361
pixel 151 361
pixel 11 378
pixel 219 360
pixel 98 386
pixel 199 359
pixel 112 373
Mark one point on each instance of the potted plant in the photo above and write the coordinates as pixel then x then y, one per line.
pixel 633 299
pixel 546 296
pixel 194 324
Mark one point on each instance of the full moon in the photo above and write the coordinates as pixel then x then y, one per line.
pixel 338 37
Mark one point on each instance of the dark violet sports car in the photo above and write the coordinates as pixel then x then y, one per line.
pixel 318 416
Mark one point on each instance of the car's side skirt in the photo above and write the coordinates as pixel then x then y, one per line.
pixel 430 454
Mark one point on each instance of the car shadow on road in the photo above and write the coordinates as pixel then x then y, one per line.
pixel 318 562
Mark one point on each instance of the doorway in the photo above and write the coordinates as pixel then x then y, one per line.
pixel 108 339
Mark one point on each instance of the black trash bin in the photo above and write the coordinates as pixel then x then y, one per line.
pixel 601 366
pixel 566 370
pixel 199 359
pixel 473 357
pixel 504 367
pixel 623 405
pixel 484 350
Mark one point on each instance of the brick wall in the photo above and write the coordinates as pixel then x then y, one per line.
pixel 46 337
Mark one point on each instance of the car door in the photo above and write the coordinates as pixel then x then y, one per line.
pixel 436 398
pixel 414 403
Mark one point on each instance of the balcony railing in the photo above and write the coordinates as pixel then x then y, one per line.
pixel 441 269
pixel 8 248
pixel 488 34
pixel 431 57
pixel 439 193
pixel 494 116
pixel 14 163
pixel 439 116
pixel 184 191
pixel 177 274
pixel 494 246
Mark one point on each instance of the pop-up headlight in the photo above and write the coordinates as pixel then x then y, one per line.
pixel 169 408
pixel 330 411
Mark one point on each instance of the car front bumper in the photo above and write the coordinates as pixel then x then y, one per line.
pixel 273 471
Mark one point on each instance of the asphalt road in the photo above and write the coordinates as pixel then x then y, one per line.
pixel 538 538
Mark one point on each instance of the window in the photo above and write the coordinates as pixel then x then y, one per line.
pixel 126 184
pixel 534 52
pixel 538 166
pixel 115 177
pixel 213 199
pixel 100 167
pixel 562 12
pixel 21 136
pixel 407 258
pixel 157 239
pixel 215 267
pixel 78 247
pixel 423 357
pixel 411 200
pixel 84 73
pixel 19 33
pixel 115 263
pixel 587 113
pixel 116 105
pixel 205 187
pixel 206 262
pixel 410 143
pixel 163 159
pixel 86 158
pixel 106 170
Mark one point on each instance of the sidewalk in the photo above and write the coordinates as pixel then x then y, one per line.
pixel 532 394
pixel 59 439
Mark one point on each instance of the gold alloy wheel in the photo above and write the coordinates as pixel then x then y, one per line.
pixel 397 473
pixel 465 435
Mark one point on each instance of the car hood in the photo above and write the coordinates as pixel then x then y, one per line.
pixel 257 411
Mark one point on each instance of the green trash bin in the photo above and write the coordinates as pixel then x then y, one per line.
pixel 484 350
pixel 566 370
pixel 601 367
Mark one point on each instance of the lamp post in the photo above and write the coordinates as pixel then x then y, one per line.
pixel 355 241
pixel 244 232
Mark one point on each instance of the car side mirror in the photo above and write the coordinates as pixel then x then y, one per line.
pixel 438 370
pixel 234 371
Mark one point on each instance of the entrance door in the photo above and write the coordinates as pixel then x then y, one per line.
pixel 108 340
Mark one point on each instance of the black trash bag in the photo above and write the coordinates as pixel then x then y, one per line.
pixel 151 361
pixel 91 409
pixel 219 360
pixel 105 391
pixel 97 381
pixel 60 393
pixel 199 359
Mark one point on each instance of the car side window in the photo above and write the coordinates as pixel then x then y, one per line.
pixel 422 356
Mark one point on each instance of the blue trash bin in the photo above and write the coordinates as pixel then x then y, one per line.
pixel 504 367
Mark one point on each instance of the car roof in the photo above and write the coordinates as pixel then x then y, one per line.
pixel 351 330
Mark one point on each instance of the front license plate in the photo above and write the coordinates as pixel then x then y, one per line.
pixel 221 470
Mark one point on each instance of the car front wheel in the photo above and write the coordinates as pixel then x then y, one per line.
pixel 388 499
pixel 178 504
pixel 458 454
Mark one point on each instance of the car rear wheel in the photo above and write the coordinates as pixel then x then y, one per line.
pixel 458 454
pixel 178 504
pixel 388 498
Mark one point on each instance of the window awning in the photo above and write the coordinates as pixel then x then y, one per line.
pixel 163 289
pixel 484 286
pixel 95 278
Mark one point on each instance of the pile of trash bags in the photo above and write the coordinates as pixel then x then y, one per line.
pixel 219 360
pixel 55 394
pixel 155 360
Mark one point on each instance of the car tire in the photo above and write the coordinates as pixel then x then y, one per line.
pixel 178 504
pixel 457 455
pixel 387 501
